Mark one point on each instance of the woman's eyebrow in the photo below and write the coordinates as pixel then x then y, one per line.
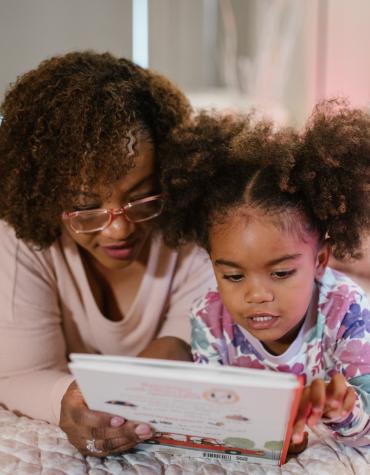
pixel 141 182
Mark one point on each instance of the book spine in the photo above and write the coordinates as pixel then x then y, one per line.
pixel 292 416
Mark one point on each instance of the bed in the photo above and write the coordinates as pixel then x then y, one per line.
pixel 30 446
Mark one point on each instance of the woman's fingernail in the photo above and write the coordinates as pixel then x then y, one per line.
pixel 117 421
pixel 296 439
pixel 143 431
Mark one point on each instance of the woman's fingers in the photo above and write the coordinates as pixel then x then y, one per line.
pixel 98 433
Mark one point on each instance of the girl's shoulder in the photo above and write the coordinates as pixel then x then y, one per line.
pixel 336 283
pixel 340 297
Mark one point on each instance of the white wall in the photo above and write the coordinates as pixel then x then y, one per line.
pixel 32 30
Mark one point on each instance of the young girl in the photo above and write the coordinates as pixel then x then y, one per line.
pixel 270 206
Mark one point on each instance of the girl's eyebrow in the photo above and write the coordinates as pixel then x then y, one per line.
pixel 287 257
pixel 278 260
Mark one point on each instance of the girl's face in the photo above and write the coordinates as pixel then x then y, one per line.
pixel 265 274
pixel 122 242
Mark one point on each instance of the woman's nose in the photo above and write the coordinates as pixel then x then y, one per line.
pixel 119 228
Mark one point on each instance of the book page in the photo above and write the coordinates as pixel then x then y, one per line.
pixel 250 421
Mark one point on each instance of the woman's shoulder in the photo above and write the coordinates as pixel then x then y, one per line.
pixel 187 259
pixel 15 249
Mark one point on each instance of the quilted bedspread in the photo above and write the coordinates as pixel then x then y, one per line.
pixel 34 447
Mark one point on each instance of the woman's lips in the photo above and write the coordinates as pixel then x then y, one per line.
pixel 124 251
pixel 261 321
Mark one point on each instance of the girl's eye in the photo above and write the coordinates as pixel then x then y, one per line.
pixel 233 277
pixel 283 274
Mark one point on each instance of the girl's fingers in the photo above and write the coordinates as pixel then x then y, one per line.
pixel 300 421
pixel 336 392
pixel 349 402
pixel 297 448
pixel 317 399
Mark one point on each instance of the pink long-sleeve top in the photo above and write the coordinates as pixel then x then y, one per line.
pixel 47 310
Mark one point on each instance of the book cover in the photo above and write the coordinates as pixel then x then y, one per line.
pixel 206 411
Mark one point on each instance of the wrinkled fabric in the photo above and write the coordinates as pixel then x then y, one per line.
pixel 29 446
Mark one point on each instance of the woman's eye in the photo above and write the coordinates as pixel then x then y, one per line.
pixel 141 196
pixel 283 274
pixel 233 277
pixel 86 207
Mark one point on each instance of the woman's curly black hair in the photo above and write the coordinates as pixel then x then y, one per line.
pixel 227 161
pixel 66 123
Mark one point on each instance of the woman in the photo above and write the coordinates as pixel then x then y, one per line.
pixel 84 268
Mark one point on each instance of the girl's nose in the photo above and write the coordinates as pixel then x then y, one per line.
pixel 257 293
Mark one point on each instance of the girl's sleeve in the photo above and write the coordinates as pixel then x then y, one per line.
pixel 204 346
pixel 352 355
pixel 33 365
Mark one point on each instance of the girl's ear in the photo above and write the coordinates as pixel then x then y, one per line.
pixel 322 259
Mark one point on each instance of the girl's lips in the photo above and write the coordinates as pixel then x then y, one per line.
pixel 120 252
pixel 261 321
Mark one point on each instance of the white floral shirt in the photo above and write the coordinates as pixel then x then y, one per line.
pixel 335 340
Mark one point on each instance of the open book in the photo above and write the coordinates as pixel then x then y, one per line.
pixel 213 411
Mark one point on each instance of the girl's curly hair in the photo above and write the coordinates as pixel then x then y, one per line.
pixel 225 162
pixel 65 124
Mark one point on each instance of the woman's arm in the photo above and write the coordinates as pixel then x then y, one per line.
pixel 33 365
pixel 192 279
pixel 168 348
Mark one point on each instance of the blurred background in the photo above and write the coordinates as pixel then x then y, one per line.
pixel 278 56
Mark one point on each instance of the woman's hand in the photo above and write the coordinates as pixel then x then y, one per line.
pixel 331 401
pixel 97 433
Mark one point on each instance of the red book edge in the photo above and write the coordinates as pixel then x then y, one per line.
pixel 293 412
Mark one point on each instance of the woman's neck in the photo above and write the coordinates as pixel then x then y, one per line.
pixel 114 290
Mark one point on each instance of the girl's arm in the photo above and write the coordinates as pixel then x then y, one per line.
pixel 205 346
pixel 351 359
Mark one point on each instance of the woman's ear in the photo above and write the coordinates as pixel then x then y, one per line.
pixel 322 258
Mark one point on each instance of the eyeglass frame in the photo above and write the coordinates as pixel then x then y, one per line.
pixel 114 213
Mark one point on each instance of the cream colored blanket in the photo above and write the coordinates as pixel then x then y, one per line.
pixel 34 447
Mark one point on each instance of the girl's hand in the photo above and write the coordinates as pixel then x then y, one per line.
pixel 97 433
pixel 331 401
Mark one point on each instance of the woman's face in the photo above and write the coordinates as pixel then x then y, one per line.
pixel 122 242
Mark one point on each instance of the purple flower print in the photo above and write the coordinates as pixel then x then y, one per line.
pixel 198 358
pixel 212 297
pixel 297 368
pixel 337 303
pixel 240 341
pixel 249 362
pixel 355 323
pixel 354 358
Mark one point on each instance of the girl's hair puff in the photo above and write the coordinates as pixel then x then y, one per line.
pixel 323 173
